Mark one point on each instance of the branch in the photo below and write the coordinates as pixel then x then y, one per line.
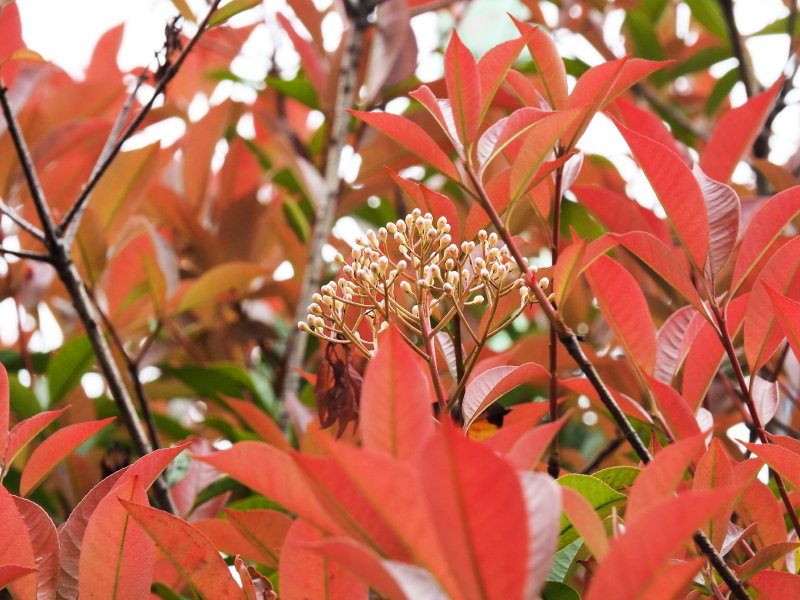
pixel 72 219
pixel 745 75
pixel 26 254
pixel 21 222
pixel 326 206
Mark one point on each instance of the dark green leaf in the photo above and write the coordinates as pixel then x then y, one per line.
pixel 554 590
pixel 709 15
pixel 564 560
pixel 721 90
pixel 22 399
pixel 298 88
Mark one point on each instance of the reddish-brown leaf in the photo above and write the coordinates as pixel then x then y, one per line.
pixel 487 387
pixel 735 133
pixel 189 551
pixel 788 314
pixel 117 556
pixel 776 585
pixel 306 574
pixel 784 461
pixel 228 539
pixel 396 413
pixel 260 422
pixel 625 310
pixel 265 528
pixel 412 137
pixel 677 190
pixel 16 548
pixel 724 212
pixel 44 544
pixel 54 449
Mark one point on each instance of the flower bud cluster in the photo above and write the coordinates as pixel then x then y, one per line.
pixel 409 264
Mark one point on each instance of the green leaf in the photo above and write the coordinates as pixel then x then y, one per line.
pixel 721 90
pixel 22 399
pixel 234 7
pixel 564 560
pixel 780 26
pixel 643 36
pixel 700 60
pixel 164 592
pixel 296 219
pixel 220 486
pixel 12 361
pixel 67 367
pixel 554 590
pixel 186 12
pixel 618 478
pixel 600 495
pixel 709 15
pixel 299 88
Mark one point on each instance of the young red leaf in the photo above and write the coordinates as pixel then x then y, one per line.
pixel 506 134
pixel 760 508
pixel 567 269
pixel 305 574
pixel 784 461
pixel 625 310
pixel 787 312
pixel 630 407
pixel 493 66
pixel 442 112
pixel 627 572
pixel 724 212
pixel 677 190
pixel 776 585
pixel 415 581
pixel 260 422
pixel 362 562
pixel 309 58
pixel 618 213
pixel 396 414
pixel 669 341
pixel 44 544
pixel 487 387
pixel 70 535
pixel 188 550
pixel 10 573
pixel 54 449
pixel 548 62
pixel 586 522
pixel 277 477
pixel 762 334
pixel 480 531
pixel 430 201
pixel 412 137
pixel 735 133
pixel 526 453
pixel 679 417
pixel 254 585
pixel 660 478
pixel 714 470
pixel 24 431
pixel 764 557
pixel 538 144
pixel 265 528
pixel 16 548
pixel 764 228
pixel 228 539
pixel 463 89
pixel 707 353
pixel 647 123
pixel 117 556
pixel 4 417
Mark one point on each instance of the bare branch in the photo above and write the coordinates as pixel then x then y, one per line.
pixel 22 223
pixel 26 254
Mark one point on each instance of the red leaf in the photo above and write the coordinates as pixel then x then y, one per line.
pixel 784 461
pixel 625 310
pixel 506 134
pixel 538 144
pixel 547 60
pixel 189 551
pixel 16 548
pixel 628 572
pixel 586 522
pixel 363 563
pixel 117 556
pixel 24 431
pixel 648 124
pixel 660 478
pixel 714 471
pixel 765 398
pixel 10 573
pixel 463 89
pixel 526 453
pixel 618 213
pixel 735 133
pixel 430 201
pixel 762 335
pixel 480 531
pixel 493 66
pixel 487 387
pixel 277 477
pixel 315 69
pixel 442 112
pixel 764 228
pixel 4 419
pixel 542 496
pixel 412 137
pixel 707 353
pixel 679 417
pixel 581 385
pixel 788 314
pixel 305 574
pixel 70 535
pixel 776 585
pixel 254 584
pixel 724 212
pixel 44 544
pixel 228 539
pixel 764 557
pixel 396 413
pixel 54 449
pixel 677 190
pixel 263 527
pixel 260 422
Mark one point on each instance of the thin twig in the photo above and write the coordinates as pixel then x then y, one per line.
pixel 745 75
pixel 602 454
pixel 72 219
pixel 326 205
pixel 39 256
pixel 22 223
